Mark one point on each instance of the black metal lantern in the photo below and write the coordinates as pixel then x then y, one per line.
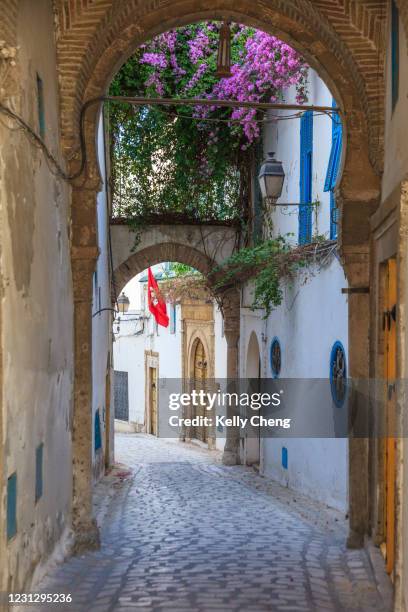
pixel 224 52
pixel 123 303
pixel 271 178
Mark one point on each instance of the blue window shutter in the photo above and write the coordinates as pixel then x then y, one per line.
pixel 306 166
pixel 335 153
pixel 333 168
pixel 39 456
pixel 12 506
pixel 284 457
pixel 394 53
pixel 40 106
pixel 98 437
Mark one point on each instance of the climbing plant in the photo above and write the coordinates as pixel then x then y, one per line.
pixel 267 264
pixel 193 162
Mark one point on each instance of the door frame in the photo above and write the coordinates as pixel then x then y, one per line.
pixel 151 361
pixel 388 283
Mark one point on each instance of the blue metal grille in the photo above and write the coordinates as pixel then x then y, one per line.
pixel 121 395
pixel 306 164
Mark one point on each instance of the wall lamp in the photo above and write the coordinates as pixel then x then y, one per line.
pixel 271 178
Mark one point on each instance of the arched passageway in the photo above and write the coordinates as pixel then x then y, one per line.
pixel 342 41
pixel 334 42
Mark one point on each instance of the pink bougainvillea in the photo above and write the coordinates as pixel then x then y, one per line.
pixel 263 68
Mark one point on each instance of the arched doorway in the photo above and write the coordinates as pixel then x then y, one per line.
pixel 252 442
pixel 200 377
pixel 326 43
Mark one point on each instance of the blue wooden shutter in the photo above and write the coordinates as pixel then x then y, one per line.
pixel 394 53
pixel 40 106
pixel 98 436
pixel 306 165
pixel 12 506
pixel 333 168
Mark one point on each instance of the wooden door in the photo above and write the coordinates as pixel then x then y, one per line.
pixel 153 400
pixel 390 362
pixel 200 377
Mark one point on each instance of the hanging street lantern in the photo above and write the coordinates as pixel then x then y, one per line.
pixel 271 178
pixel 224 52
pixel 123 303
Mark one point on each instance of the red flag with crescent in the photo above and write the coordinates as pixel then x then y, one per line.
pixel 157 304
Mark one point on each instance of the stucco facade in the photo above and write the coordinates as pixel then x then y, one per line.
pixel 312 317
pixel 37 315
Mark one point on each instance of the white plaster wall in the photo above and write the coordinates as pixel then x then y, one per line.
pixel 36 311
pixel 311 319
pixel 129 353
pixel 220 345
pixel 130 346
pixel 312 316
pixel 284 139
pixel 128 356
pixel 220 368
pixel 101 323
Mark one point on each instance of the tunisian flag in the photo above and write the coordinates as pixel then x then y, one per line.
pixel 157 304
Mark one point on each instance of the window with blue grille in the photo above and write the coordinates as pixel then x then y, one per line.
pixel 12 506
pixel 40 106
pixel 39 456
pixel 338 373
pixel 98 434
pixel 306 166
pixel 394 53
pixel 333 169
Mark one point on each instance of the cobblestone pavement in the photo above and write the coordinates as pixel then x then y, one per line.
pixel 186 533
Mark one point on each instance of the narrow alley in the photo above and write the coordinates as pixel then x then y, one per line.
pixel 185 532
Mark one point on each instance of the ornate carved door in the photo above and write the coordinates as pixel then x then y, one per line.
pixel 200 378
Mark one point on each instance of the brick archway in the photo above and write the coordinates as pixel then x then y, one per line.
pixel 159 253
pixel 343 41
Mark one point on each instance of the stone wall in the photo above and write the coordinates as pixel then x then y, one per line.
pixel 36 307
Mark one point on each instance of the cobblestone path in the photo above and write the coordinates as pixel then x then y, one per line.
pixel 186 533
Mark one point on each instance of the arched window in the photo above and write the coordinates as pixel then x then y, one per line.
pixel 275 357
pixel 338 373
